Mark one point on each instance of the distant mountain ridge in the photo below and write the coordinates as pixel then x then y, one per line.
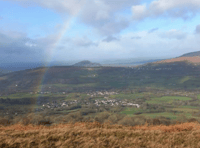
pixel 191 57
pixel 86 63
pixel 191 54
pixel 4 71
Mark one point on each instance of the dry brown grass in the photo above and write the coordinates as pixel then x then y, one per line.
pixel 195 59
pixel 98 135
pixel 3 78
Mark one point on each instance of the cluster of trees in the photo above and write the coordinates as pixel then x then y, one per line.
pixel 103 117
pixel 23 101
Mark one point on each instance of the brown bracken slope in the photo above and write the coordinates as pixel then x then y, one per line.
pixel 95 135
pixel 194 60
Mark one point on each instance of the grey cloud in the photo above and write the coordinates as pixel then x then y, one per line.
pixel 66 40
pixel 61 47
pixel 110 39
pixel 153 30
pixel 113 27
pixel 197 29
pixel 13 34
pixel 18 47
pixel 11 45
pixel 136 37
pixel 173 34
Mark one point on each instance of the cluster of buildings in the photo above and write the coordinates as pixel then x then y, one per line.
pixel 97 102
pixel 101 93
pixel 114 102
pixel 38 92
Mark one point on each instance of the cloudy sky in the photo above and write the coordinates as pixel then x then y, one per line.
pixel 64 30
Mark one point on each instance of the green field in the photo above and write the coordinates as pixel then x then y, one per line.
pixel 28 95
pixel 184 79
pixel 164 114
pixel 130 111
pixel 186 110
pixel 20 95
pixel 127 96
pixel 170 111
pixel 167 99
pixel 75 85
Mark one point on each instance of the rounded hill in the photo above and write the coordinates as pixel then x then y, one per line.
pixel 86 63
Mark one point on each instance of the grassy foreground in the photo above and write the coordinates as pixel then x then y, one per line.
pixel 90 135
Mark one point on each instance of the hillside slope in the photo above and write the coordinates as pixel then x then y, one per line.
pixel 70 78
pixel 192 59
pixel 191 54
pixel 97 135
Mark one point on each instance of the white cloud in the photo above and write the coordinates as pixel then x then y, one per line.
pixel 84 42
pixel 173 8
pixel 136 37
pixel 173 34
pixel 160 44
pixel 143 45
pixel 102 16
pixel 99 14
pixel 30 44
pixel 139 11
pixel 78 42
pixel 105 17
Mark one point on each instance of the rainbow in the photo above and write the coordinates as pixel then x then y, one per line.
pixel 51 52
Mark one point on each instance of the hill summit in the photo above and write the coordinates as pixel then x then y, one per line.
pixel 87 63
pixel 191 57
pixel 191 54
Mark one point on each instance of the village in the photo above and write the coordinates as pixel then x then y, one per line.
pixel 65 101
pixel 97 98
pixel 106 101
